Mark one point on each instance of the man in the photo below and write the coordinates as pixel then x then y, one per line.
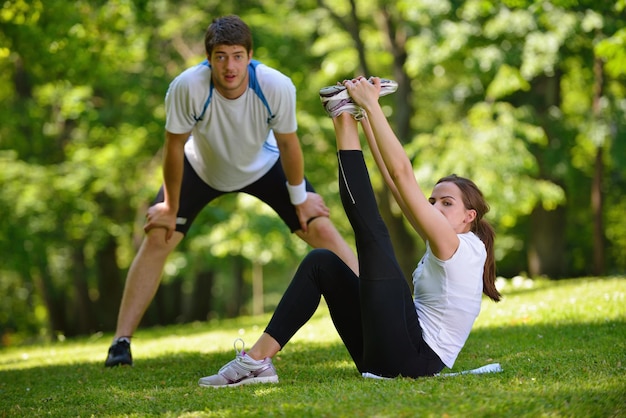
pixel 230 127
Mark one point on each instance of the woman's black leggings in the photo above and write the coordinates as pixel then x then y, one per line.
pixel 374 313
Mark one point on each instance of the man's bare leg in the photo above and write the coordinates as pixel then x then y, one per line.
pixel 142 283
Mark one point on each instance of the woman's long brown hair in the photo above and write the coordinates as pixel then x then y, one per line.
pixel 473 199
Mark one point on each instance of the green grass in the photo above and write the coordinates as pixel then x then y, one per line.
pixel 562 346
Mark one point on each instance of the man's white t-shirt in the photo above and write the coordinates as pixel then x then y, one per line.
pixel 448 294
pixel 232 143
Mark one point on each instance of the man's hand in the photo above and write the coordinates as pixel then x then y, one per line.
pixel 160 216
pixel 312 207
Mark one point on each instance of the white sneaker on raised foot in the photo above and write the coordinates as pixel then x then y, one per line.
pixel 335 108
pixel 243 370
pixel 336 99
pixel 339 91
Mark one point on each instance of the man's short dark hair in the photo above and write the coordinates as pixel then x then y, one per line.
pixel 227 30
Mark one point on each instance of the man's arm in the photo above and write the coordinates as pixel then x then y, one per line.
pixel 308 205
pixel 163 215
pixel 291 157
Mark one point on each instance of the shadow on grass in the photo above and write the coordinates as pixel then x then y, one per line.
pixel 546 368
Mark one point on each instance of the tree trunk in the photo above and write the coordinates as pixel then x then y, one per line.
pixel 53 299
pixel 166 307
pixel 596 208
pixel 110 284
pixel 257 288
pixel 201 300
pixel 546 247
pixel 598 172
pixel 83 315
pixel 234 307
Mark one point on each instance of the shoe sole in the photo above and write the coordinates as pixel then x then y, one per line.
pixel 251 381
pixel 114 362
pixel 119 364
pixel 340 92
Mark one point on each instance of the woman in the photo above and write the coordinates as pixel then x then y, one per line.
pixel 387 332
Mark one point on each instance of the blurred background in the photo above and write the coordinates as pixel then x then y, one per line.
pixel 528 98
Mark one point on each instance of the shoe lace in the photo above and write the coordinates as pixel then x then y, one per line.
pixel 241 352
pixel 238 355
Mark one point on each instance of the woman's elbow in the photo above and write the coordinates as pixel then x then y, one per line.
pixel 401 172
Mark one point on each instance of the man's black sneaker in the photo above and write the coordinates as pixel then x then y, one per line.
pixel 119 354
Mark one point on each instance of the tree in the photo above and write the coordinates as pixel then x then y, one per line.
pixel 475 63
pixel 525 97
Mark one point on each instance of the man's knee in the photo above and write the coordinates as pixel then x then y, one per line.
pixel 322 230
pixel 155 243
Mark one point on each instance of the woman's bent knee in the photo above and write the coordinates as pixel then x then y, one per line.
pixel 320 256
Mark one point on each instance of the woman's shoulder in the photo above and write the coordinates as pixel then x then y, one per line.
pixel 470 243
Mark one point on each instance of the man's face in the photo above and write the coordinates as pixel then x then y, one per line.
pixel 229 65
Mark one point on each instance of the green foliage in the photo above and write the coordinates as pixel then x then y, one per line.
pixel 613 50
pixel 507 81
pixel 504 92
pixel 560 344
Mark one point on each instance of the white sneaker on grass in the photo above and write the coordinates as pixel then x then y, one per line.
pixel 243 370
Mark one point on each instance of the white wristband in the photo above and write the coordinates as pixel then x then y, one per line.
pixel 297 194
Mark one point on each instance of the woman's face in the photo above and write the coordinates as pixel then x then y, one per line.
pixel 447 198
